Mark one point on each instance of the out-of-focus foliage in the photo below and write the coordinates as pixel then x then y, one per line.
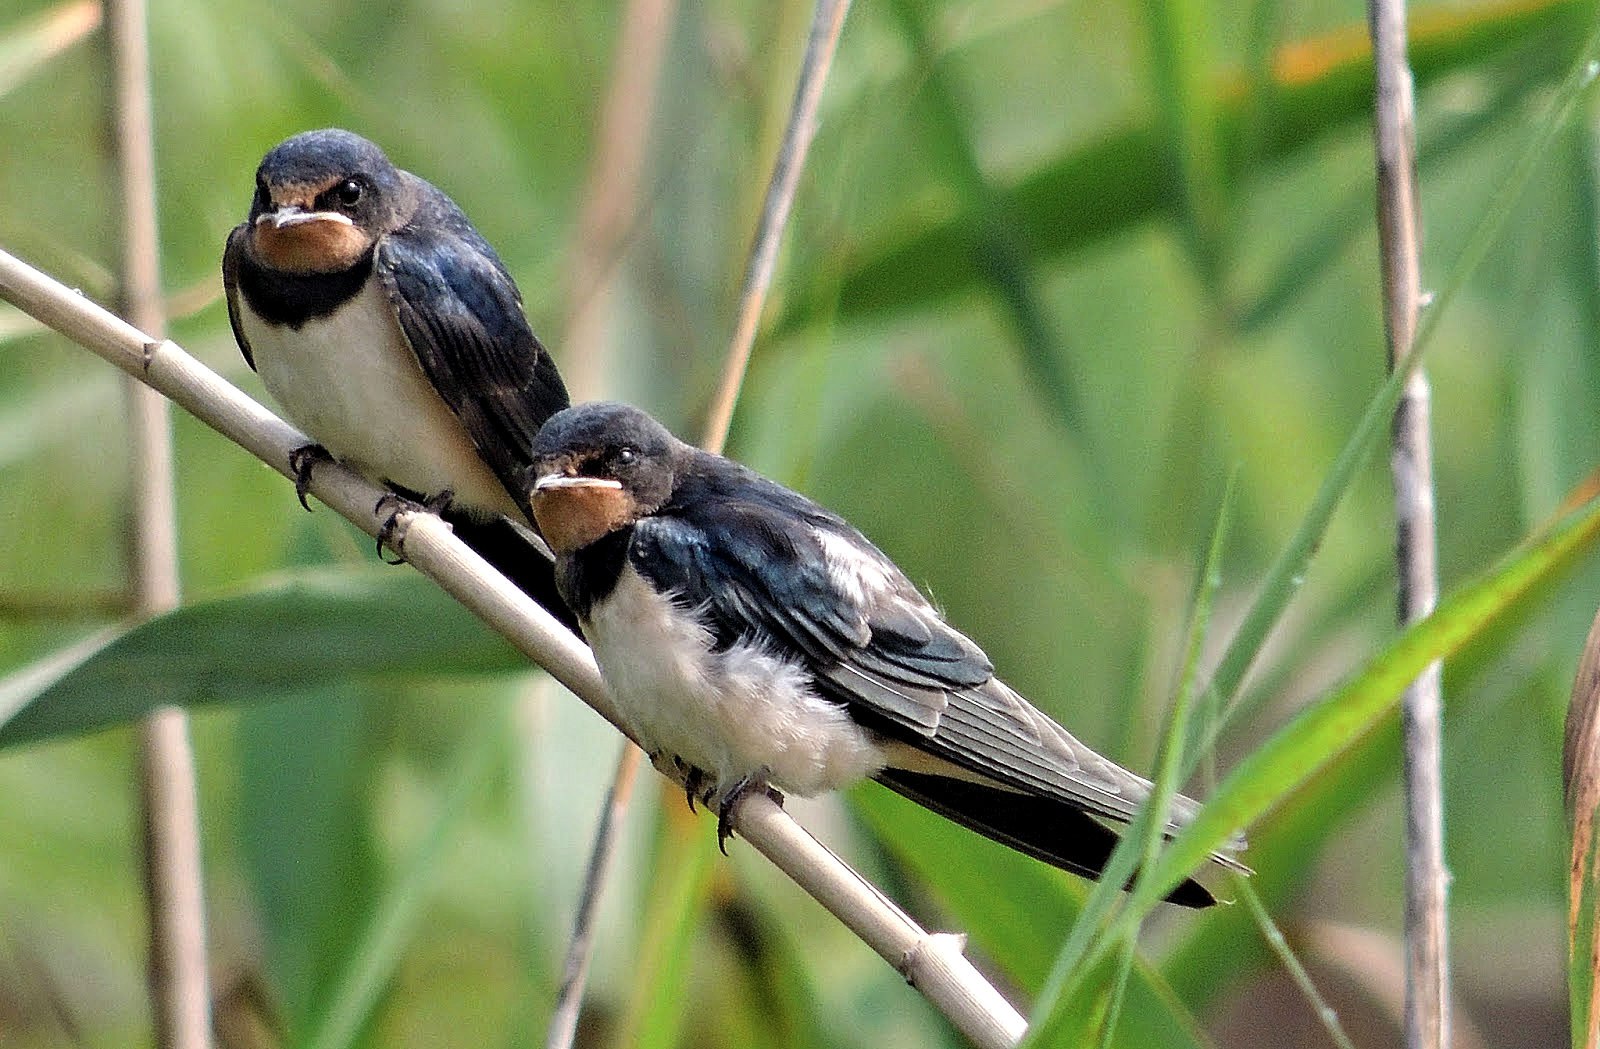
pixel 1055 270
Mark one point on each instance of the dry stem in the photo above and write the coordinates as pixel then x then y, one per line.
pixel 174 898
pixel 1426 1014
pixel 827 23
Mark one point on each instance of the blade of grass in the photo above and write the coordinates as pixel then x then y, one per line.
pixel 375 954
pixel 290 633
pixel 1287 573
pixel 1348 218
pixel 989 236
pixel 1328 726
pixel 304 769
pixel 1066 978
pixel 1297 972
pixel 1187 108
pixel 1325 729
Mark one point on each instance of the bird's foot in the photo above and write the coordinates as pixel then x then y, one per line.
pixel 301 462
pixel 697 786
pixel 754 783
pixel 391 506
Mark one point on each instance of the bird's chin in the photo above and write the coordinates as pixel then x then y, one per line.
pixel 311 244
pixel 572 518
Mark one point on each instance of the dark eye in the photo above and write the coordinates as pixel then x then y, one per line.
pixel 263 195
pixel 348 193
pixel 625 456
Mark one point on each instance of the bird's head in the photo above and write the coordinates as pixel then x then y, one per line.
pixel 322 199
pixel 597 468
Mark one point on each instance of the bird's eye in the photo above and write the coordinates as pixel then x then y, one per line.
pixel 263 195
pixel 625 456
pixel 348 193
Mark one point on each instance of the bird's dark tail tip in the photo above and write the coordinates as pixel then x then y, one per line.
pixel 1044 828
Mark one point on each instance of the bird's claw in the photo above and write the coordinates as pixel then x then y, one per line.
pixel 699 786
pixel 696 785
pixel 392 505
pixel 301 462
pixel 754 783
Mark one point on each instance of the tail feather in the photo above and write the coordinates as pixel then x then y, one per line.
pixel 1044 828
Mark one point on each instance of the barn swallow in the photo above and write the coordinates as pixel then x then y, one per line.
pixel 390 331
pixel 752 639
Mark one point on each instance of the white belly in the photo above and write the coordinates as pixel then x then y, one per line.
pixel 729 713
pixel 367 401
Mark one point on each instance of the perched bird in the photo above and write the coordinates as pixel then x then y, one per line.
pixel 390 331
pixel 755 640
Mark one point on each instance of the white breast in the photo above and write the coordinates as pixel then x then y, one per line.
pixel 728 713
pixel 367 401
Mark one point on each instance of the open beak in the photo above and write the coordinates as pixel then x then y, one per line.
pixel 550 482
pixel 294 215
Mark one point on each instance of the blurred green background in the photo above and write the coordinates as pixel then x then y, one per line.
pixel 1055 270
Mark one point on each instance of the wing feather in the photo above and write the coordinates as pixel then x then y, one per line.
pixel 764 563
pixel 230 288
pixel 769 564
pixel 462 314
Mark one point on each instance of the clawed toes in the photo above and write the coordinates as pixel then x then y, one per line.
pixel 301 462
pixel 756 782
pixel 390 507
pixel 697 785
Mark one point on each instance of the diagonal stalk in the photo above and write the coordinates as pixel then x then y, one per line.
pixel 932 963
pixel 827 24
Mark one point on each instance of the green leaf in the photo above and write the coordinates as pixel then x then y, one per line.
pixel 990 235
pixel 1324 730
pixel 1119 182
pixel 1187 107
pixel 293 633
pixel 374 954
pixel 303 768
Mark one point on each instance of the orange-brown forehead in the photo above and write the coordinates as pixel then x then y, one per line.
pixel 299 193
